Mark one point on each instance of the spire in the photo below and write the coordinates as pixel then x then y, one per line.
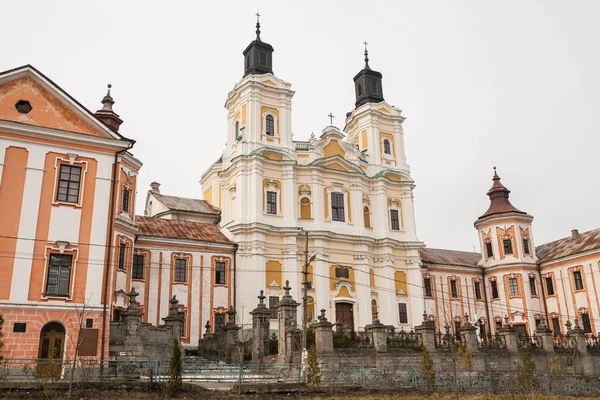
pixel 258 56
pixel 499 203
pixel 367 84
pixel 106 115
pixel 258 26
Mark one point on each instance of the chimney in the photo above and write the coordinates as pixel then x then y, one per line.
pixel 574 233
pixel 155 187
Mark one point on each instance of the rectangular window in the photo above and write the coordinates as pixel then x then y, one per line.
pixel 489 249
pixel 427 285
pixel 395 219
pixel 273 300
pixel 513 286
pixel 125 201
pixel 220 273
pixel 403 313
pixel 585 321
pixel 526 246
pixel 477 291
pixel 59 275
pixel 180 270
pixel 122 256
pixel 272 203
pixel 507 243
pixel 373 87
pixel 337 207
pixel 556 326
pixel 89 323
pixel 342 272
pixel 494 286
pixel 549 286
pixel 262 59
pixel 578 280
pixel 532 286
pixel 117 314
pixel 498 325
pixel 538 322
pixel 137 269
pixel 20 327
pixel 453 289
pixel 219 322
pixel 68 184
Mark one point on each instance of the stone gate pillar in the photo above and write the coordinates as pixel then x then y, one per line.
pixel 545 335
pixel 287 317
pixel 234 351
pixel 578 335
pixel 510 336
pixel 324 341
pixel 174 319
pixel 427 332
pixel 260 329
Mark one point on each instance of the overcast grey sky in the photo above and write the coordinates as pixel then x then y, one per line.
pixel 508 83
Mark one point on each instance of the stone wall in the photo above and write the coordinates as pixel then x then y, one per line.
pixel 132 339
pixel 383 348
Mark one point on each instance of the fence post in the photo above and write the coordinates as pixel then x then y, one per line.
pixel 260 329
pixel 510 336
pixel 427 332
pixel 587 361
pixel 379 332
pixel 545 335
pixel 324 340
pixel 470 333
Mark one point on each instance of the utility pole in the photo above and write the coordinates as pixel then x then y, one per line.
pixel 307 261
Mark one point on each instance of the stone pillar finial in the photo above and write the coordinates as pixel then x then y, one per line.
pixel 322 317
pixel 174 306
pixel 287 288
pixel 132 298
pixel 576 326
pixel 506 325
pixel 568 325
pixel 230 315
pixel 207 327
pixel 466 318
pixel 261 297
pixel 447 328
pixel 425 316
pixel 376 316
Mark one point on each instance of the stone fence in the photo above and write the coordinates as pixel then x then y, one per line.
pixel 224 344
pixel 381 346
pixel 130 339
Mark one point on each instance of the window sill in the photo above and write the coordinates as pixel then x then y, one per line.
pixel 138 279
pixel 220 285
pixel 179 283
pixel 56 297
pixel 121 270
pixel 66 204
pixel 495 299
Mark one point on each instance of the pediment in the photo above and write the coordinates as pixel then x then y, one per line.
pixel 336 166
pixel 337 163
pixel 51 107
pixel 333 148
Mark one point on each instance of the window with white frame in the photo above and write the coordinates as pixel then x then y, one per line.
pixel 58 280
pixel 337 207
pixel 269 125
pixel 395 215
pixel 513 286
pixel 271 202
pixel 387 149
pixel 69 180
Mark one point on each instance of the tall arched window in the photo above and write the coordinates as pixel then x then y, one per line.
pixel 374 309
pixel 270 125
pixel 386 147
pixel 237 128
pixel 367 217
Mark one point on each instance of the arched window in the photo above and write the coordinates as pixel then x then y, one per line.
pixel 270 125
pixel 386 147
pixel 237 128
pixel 305 208
pixel 367 216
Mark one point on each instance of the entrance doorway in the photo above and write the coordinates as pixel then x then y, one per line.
pixel 50 353
pixel 344 315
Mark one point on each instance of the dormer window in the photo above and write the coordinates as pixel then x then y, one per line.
pixel 270 125
pixel 373 87
pixel 386 147
pixel 359 90
pixel 507 243
pixel 262 59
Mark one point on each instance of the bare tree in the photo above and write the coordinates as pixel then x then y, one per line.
pixel 78 324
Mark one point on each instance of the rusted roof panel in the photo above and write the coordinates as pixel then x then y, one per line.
pixel 167 228
pixel 569 246
pixel 186 204
pixel 449 257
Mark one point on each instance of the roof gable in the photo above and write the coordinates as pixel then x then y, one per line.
pixel 51 107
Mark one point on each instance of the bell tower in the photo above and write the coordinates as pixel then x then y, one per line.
pixel 260 105
pixel 375 126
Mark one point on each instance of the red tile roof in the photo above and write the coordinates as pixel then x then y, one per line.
pixel 449 257
pixel 569 246
pixel 186 204
pixel 172 229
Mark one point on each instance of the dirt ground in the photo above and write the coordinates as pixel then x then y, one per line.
pixel 138 391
